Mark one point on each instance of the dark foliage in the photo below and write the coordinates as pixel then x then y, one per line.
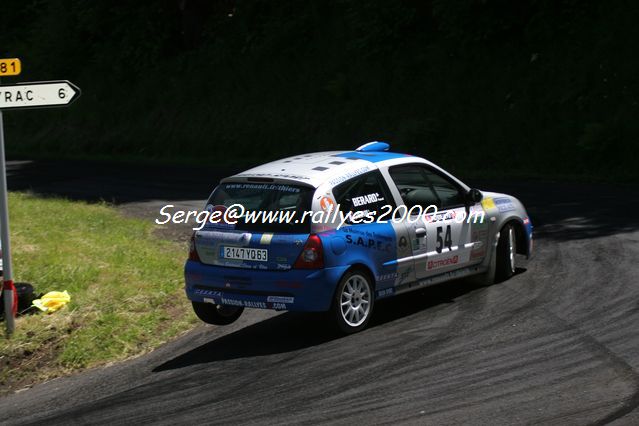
pixel 527 87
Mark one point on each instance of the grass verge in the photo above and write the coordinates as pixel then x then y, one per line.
pixel 126 289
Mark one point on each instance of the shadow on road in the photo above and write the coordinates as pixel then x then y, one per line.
pixel 293 331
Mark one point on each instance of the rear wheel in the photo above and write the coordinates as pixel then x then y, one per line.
pixel 506 251
pixel 353 302
pixel 217 314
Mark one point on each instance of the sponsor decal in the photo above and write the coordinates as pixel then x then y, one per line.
pixel 460 257
pixel 371 243
pixel 209 293
pixel 280 299
pixel 403 241
pixel 394 275
pixel 478 253
pixel 366 233
pixel 479 248
pixel 262 187
pixel 266 239
pixel 327 204
pixel 440 263
pixel 386 277
pixel 349 175
pixel 479 235
pixel 526 221
pixel 450 274
pixel 504 204
pixel 245 303
pixel 430 218
pixel 475 208
pixel 237 263
pixel 367 199
pixel 488 203
pixel 385 292
pixel 278 175
pixel 278 306
pixel 273 302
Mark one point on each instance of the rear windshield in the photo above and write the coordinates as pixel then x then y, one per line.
pixel 281 204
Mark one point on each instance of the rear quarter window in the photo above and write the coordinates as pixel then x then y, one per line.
pixel 365 193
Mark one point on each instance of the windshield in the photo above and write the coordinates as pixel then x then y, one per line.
pixel 281 205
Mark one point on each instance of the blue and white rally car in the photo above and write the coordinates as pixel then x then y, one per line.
pixel 358 226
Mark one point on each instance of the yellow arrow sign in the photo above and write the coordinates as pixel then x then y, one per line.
pixel 11 66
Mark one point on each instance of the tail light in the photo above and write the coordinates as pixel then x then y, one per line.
pixel 312 256
pixel 192 251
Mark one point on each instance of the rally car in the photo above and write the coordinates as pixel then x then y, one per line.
pixel 427 227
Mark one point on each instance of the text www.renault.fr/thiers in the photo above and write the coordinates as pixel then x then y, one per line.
pixel 232 214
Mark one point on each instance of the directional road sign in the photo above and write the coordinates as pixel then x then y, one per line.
pixel 38 94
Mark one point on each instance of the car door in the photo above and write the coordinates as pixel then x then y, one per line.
pixel 375 237
pixel 440 234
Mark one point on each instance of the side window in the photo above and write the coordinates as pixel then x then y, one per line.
pixel 418 185
pixel 413 186
pixel 366 193
pixel 450 195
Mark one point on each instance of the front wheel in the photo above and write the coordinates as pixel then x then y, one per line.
pixel 217 314
pixel 353 302
pixel 506 250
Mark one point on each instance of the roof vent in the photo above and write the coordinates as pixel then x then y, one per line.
pixel 374 147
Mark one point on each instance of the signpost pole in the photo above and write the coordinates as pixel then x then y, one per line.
pixel 25 95
pixel 7 277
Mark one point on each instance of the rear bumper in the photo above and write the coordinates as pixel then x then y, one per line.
pixel 293 290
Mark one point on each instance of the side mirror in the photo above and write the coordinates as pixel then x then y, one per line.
pixel 474 196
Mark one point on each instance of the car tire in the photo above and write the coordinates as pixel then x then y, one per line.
pixel 506 251
pixel 214 314
pixel 353 303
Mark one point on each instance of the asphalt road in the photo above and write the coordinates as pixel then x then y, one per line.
pixel 556 344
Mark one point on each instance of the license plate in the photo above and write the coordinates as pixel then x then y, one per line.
pixel 243 253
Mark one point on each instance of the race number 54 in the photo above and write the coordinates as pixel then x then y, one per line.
pixel 446 241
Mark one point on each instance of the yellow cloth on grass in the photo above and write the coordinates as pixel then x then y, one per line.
pixel 52 301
